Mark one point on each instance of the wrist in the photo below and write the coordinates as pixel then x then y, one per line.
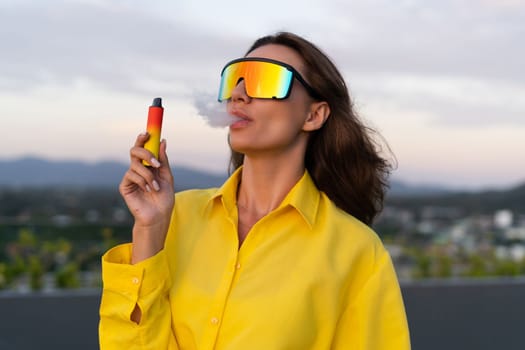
pixel 147 241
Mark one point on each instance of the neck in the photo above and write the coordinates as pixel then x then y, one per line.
pixel 265 183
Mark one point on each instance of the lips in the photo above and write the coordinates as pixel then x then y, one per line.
pixel 240 119
pixel 239 114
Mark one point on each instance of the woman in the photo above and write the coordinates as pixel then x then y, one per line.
pixel 280 257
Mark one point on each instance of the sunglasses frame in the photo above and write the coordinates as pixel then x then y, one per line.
pixel 295 74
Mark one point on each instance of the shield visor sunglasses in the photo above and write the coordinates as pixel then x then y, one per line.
pixel 263 78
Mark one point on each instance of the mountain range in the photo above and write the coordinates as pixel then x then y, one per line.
pixel 40 172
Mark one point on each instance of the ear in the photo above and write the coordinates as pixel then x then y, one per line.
pixel 319 113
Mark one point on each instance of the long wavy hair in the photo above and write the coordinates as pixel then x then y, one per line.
pixel 344 156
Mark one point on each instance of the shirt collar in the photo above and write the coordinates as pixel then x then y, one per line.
pixel 304 196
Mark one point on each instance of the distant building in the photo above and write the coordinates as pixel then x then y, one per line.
pixel 503 219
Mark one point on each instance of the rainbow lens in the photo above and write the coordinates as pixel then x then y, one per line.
pixel 263 78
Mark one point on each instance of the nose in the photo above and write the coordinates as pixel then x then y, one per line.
pixel 239 93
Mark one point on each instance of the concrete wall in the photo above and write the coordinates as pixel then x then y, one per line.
pixel 466 314
pixel 45 321
pixel 477 315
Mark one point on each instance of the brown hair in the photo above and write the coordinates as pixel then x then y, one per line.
pixel 342 157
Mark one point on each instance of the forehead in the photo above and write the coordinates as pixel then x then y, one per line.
pixel 280 53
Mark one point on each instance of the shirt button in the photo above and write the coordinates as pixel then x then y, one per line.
pixel 135 280
pixel 214 320
pixel 238 266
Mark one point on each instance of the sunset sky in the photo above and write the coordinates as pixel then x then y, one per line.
pixel 443 81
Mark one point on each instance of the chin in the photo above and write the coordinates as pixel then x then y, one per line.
pixel 240 149
pixel 238 144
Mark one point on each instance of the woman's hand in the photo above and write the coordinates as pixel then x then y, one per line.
pixel 149 195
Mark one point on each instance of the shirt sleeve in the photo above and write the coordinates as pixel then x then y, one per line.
pixel 145 284
pixel 376 318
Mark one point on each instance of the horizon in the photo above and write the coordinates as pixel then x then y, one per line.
pixel 392 179
pixel 78 77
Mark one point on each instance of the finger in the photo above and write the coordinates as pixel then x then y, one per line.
pixel 131 181
pixel 163 158
pixel 147 156
pixel 140 154
pixel 146 174
pixel 141 139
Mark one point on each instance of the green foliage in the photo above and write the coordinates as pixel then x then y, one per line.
pixel 507 267
pixel 36 273
pixel 27 239
pixel 35 243
pixel 28 258
pixel 477 267
pixel 3 275
pixel 423 265
pixel 17 267
pixel 444 266
pixel 67 276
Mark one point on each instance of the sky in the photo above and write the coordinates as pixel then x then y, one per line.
pixel 443 81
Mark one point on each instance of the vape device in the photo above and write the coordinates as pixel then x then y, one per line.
pixel 154 127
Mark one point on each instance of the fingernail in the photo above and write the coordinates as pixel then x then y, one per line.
pixel 148 188
pixel 154 162
pixel 144 133
pixel 156 185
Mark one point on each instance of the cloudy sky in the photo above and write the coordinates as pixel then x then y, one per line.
pixel 442 80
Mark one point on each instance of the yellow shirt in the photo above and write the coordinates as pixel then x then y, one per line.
pixel 308 276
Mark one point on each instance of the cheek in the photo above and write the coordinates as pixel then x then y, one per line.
pixel 283 127
pixel 291 112
pixel 294 116
pixel 281 118
pixel 281 121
